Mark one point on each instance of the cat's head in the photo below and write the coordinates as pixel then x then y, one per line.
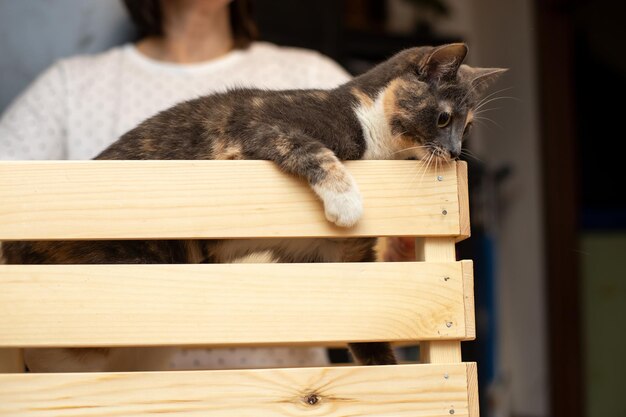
pixel 429 106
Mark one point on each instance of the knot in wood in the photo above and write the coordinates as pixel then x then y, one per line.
pixel 311 399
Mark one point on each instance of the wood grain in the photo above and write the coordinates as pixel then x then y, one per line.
pixel 401 390
pixel 468 293
pixel 472 389
pixel 463 193
pixel 439 250
pixel 125 305
pixel 214 199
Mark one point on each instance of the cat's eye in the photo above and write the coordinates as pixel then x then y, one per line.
pixel 444 119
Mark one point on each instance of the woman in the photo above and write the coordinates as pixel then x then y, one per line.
pixel 187 48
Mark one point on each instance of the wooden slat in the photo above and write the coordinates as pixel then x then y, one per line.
pixel 447 351
pixel 463 193
pixel 124 305
pixel 402 390
pixel 468 292
pixel 472 389
pixel 214 199
pixel 440 250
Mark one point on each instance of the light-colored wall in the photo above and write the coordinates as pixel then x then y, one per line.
pixel 501 34
pixel 31 37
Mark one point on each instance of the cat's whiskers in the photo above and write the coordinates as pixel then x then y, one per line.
pixel 442 158
pixel 448 162
pixel 409 149
pixel 470 154
pixel 486 110
pixel 469 91
pixel 437 155
pixel 466 96
pixel 400 135
pixel 484 103
pixel 480 118
pixel 422 170
pixel 426 168
pixel 475 86
pixel 488 96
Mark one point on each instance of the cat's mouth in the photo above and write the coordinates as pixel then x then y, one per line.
pixel 428 152
pixel 436 154
pixel 442 154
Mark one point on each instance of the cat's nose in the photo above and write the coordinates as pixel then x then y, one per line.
pixel 455 153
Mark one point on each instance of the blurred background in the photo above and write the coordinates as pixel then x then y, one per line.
pixel 548 207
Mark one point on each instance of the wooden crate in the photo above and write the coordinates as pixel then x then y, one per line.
pixel 430 301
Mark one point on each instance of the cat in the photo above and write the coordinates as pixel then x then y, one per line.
pixel 417 104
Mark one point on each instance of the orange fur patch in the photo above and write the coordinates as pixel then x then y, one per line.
pixel 225 150
pixel 363 98
pixel 470 117
pixel 320 95
pixel 218 122
pixel 336 178
pixel 147 145
pixel 283 146
pixel 390 102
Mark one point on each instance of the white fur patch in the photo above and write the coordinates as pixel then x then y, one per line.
pixel 264 257
pixel 376 130
pixel 342 208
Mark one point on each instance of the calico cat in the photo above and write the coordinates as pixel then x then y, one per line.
pixel 417 104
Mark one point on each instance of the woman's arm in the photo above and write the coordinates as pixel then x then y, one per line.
pixel 34 125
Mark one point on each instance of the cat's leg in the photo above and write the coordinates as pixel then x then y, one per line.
pixel 329 178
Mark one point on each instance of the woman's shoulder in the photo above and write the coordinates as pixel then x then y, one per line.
pixel 311 68
pixel 64 70
pixel 92 63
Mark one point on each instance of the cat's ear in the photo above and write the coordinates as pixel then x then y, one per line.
pixel 443 61
pixel 480 78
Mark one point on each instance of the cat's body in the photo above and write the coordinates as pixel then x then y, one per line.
pixel 418 104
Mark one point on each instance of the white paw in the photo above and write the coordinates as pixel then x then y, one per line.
pixel 342 208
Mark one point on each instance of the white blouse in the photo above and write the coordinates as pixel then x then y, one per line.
pixel 81 105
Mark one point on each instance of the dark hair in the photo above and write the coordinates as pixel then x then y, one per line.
pixel 147 16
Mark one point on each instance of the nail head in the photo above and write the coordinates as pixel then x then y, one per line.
pixel 439 178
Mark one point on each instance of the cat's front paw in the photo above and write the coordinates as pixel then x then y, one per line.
pixel 343 208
